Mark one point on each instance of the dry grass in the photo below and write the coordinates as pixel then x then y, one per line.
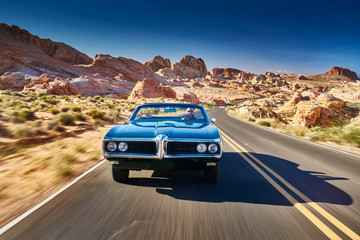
pixel 29 172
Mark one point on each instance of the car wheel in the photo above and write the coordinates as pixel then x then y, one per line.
pixel 120 175
pixel 211 174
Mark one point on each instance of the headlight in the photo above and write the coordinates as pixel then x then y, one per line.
pixel 213 148
pixel 111 146
pixel 123 146
pixel 201 148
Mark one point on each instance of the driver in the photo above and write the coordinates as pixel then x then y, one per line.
pixel 190 114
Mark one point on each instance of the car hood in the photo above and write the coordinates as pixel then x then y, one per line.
pixel 170 128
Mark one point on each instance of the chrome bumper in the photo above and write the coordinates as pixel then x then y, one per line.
pixel 161 148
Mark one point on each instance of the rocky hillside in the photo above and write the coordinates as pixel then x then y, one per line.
pixel 29 63
pixel 339 71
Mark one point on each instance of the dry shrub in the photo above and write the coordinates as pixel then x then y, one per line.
pixel 65 164
pixel 66 118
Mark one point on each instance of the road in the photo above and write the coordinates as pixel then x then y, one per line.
pixel 271 186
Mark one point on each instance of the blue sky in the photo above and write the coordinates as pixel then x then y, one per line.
pixel 257 36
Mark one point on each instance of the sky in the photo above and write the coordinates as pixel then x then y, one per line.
pixel 254 36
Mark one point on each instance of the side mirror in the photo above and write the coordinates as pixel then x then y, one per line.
pixel 212 120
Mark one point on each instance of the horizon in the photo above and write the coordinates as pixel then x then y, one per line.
pixel 280 37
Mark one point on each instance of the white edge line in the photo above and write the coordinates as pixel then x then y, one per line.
pixel 297 138
pixel 30 211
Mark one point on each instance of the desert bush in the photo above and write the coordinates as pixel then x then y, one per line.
pixel 41 94
pixel 264 123
pixel 27 114
pixel 38 131
pixel 300 131
pixel 22 131
pixel 65 97
pixel 15 119
pixel 95 114
pixel 65 109
pixel 110 105
pixel 251 119
pixel 59 128
pixel 76 109
pixel 80 117
pixel 97 120
pixel 98 98
pixel 66 118
pixel 80 148
pixel 95 155
pixel 65 165
pixel 54 111
pixel 30 99
pixel 6 92
pixel 353 136
pixel 38 123
pixel 14 113
pixel 41 106
pixel 51 101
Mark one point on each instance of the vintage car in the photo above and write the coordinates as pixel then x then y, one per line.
pixel 164 136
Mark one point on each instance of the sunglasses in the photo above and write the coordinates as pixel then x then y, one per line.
pixel 190 111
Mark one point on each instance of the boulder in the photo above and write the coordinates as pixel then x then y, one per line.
pixel 191 98
pixel 150 89
pixel 245 76
pixel 197 84
pixel 327 98
pixel 167 73
pixel 225 72
pixel 158 63
pixel 219 102
pixel 307 114
pixel 296 98
pixel 190 67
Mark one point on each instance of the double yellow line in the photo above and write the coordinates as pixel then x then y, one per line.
pixel 251 159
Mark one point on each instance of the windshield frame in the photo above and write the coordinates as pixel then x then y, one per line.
pixel 182 105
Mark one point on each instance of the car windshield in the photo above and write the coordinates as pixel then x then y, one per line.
pixel 169 113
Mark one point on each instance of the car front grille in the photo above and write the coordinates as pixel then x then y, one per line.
pixel 142 147
pixel 181 147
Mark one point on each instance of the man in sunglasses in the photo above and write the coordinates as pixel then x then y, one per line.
pixel 190 114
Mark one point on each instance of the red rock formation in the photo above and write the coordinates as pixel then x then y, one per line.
pixel 296 98
pixel 190 67
pixel 270 74
pixel 55 50
pixel 197 84
pixel 343 72
pixel 150 89
pixel 158 63
pixel 125 68
pixel 225 72
pixel 302 77
pixel 219 102
pixel 245 76
pixel 191 98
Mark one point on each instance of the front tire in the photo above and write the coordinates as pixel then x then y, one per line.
pixel 211 174
pixel 120 175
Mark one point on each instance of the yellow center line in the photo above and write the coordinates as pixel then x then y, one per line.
pixel 316 221
pixel 314 205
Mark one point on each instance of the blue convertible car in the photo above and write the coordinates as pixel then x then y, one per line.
pixel 164 136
